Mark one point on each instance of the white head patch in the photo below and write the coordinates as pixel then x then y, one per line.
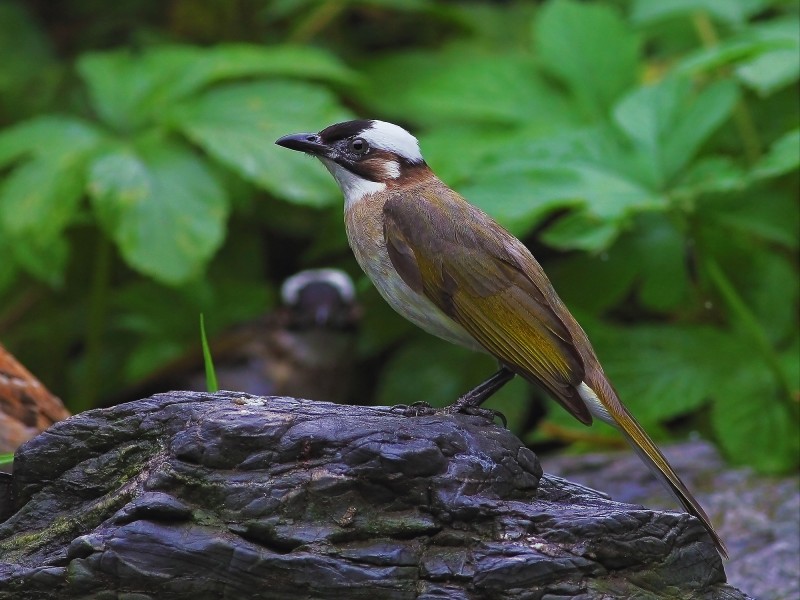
pixel 290 290
pixel 393 138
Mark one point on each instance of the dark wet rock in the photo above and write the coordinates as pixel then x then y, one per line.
pixel 198 496
pixel 757 516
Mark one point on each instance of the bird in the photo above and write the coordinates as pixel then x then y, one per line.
pixel 449 268
pixel 304 348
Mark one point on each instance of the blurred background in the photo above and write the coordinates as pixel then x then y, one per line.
pixel 646 151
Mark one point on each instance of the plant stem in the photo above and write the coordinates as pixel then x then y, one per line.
pixel 751 326
pixel 751 142
pixel 317 21
pixel 14 311
pixel 564 434
pixel 95 325
pixel 747 131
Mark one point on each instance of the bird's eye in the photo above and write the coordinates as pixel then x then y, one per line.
pixel 359 146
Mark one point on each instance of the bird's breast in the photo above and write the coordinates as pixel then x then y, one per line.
pixel 364 227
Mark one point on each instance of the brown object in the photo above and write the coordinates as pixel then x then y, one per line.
pixel 26 406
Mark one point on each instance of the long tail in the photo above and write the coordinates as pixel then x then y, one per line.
pixel 612 411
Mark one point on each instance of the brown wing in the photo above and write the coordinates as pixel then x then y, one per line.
pixel 487 281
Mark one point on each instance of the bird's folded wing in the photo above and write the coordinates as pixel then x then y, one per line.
pixel 485 280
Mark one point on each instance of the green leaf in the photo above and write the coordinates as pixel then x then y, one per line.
pixel 771 216
pixel 733 12
pixel 235 61
pixel 783 157
pixel 61 138
pixel 650 259
pixel 583 169
pixel 130 90
pixel 27 82
pixel 753 425
pixel 668 123
pixel 46 260
pixel 478 146
pixel 612 195
pixel 581 231
pixel 127 89
pixel 593 283
pixel 162 206
pixel 769 285
pixel 659 250
pixel 150 354
pixel 41 197
pixel 239 123
pixel 777 68
pixel 728 52
pixel 519 200
pixel 662 372
pixel 461 85
pixel 710 175
pixel 765 56
pixel 591 48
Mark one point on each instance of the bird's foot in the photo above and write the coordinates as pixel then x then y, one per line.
pixel 487 413
pixel 416 409
pixel 423 409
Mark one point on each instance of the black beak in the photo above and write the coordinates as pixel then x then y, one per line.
pixel 310 143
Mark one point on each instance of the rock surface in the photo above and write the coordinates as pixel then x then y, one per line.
pixel 757 516
pixel 198 496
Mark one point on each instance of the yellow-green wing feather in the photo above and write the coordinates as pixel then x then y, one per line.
pixel 475 278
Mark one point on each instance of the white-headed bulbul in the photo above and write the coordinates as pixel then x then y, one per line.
pixel 452 270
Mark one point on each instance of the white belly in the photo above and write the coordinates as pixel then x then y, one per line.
pixel 374 260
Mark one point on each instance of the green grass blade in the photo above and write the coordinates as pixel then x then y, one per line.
pixel 211 375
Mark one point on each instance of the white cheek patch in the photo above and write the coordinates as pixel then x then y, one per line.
pixel 393 138
pixel 354 187
pixel 391 169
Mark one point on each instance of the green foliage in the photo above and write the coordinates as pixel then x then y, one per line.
pixel 647 150
pixel 590 48
pixel 162 202
pixel 208 361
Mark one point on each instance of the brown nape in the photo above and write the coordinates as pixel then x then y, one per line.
pixel 412 174
pixel 382 165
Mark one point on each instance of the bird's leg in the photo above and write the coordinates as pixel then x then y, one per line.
pixel 469 403
pixel 480 393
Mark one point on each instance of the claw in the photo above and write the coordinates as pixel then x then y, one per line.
pixel 416 409
pixel 487 413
